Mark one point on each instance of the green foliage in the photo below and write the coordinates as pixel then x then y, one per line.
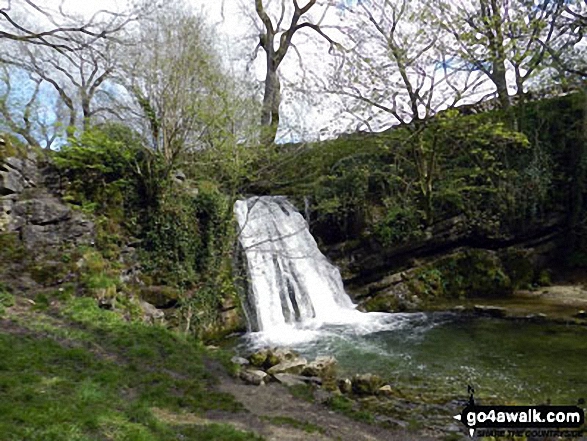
pixel 401 223
pixel 100 166
pixel 470 273
pixel 188 244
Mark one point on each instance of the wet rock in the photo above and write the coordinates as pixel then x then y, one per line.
pixel 490 311
pixel 345 386
pixel 581 314
pixel 278 355
pixel 366 384
pixel 320 367
pixel 255 377
pixel 295 366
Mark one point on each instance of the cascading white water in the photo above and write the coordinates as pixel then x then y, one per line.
pixel 292 286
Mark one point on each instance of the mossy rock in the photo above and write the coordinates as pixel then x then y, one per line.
pixel 382 303
pixel 366 384
pixel 258 358
pixel 159 296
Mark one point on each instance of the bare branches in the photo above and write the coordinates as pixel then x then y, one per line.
pixel 274 57
pixel 65 32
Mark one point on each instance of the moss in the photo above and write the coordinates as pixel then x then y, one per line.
pixel 382 303
pixel 259 358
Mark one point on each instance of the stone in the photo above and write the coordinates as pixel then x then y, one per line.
pixel 42 211
pixel 289 379
pixel 292 379
pixel 240 361
pixel 255 377
pixel 10 182
pixel 581 314
pixel 150 313
pixel 258 358
pixel 366 384
pixel 385 390
pixel 321 366
pixel 283 354
pixel 17 174
pixel 295 366
pixel 179 176
pixel 345 386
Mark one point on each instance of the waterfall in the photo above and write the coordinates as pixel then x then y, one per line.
pixel 292 285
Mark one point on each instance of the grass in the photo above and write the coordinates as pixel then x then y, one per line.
pixel 85 374
pixel 348 407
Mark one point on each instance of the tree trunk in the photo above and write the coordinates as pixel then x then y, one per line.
pixel 271 102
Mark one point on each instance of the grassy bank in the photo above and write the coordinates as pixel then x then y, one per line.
pixel 81 373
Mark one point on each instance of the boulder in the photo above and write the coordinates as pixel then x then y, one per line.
pixel 295 366
pixel 345 386
pixel 320 367
pixel 255 377
pixel 240 361
pixel 366 384
pixel 258 358
pixel 385 390
pixel 278 355
pixel 150 313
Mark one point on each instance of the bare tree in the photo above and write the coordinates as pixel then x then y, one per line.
pixel 276 53
pixel 75 76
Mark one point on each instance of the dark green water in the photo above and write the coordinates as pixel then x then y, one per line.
pixel 438 355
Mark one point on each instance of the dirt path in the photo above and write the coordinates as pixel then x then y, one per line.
pixel 271 402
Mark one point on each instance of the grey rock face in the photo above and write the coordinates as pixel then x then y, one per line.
pixel 17 174
pixel 40 218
